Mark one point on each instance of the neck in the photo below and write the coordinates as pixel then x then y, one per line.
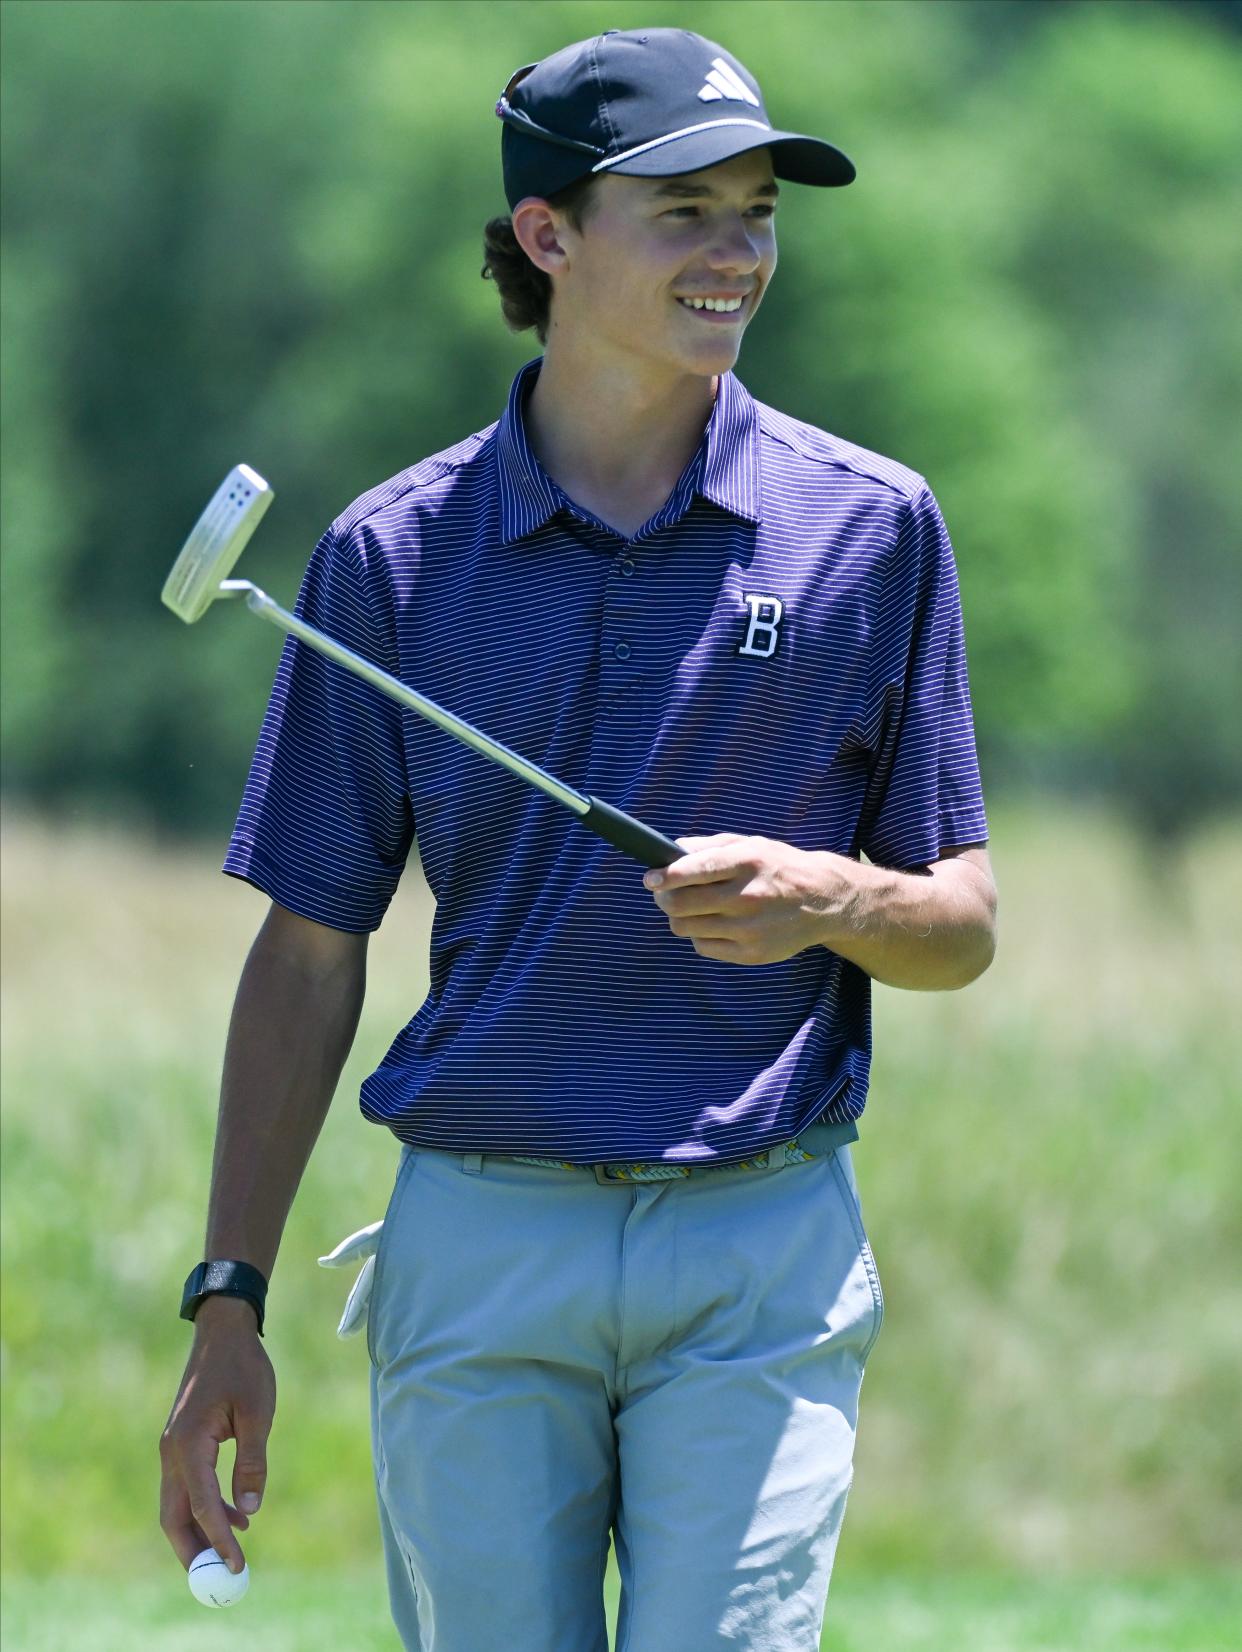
pixel 614 437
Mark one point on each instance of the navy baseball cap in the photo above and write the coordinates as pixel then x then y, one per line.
pixel 647 103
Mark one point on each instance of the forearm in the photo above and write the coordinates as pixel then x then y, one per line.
pixel 926 931
pixel 292 1027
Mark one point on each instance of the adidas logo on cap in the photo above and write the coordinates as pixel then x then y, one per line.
pixel 723 82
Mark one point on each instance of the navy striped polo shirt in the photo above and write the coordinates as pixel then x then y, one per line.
pixel 777 652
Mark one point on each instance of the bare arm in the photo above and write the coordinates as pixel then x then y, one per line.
pixel 932 930
pixel 753 900
pixel 293 1023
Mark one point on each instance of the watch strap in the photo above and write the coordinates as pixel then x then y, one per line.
pixel 224 1278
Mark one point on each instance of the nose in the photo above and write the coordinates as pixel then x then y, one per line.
pixel 734 246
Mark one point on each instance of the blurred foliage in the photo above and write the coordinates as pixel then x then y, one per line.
pixel 251 231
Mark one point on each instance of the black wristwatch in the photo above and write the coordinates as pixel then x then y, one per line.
pixel 224 1279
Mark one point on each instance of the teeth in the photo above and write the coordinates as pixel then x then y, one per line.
pixel 724 304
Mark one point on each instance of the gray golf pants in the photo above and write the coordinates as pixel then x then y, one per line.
pixel 676 1364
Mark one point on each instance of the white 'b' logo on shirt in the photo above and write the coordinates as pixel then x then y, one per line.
pixel 763 632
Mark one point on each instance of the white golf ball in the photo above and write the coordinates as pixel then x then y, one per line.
pixel 211 1581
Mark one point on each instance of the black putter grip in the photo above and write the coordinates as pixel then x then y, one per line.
pixel 648 847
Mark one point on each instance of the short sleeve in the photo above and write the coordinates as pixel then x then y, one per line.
pixel 325 823
pixel 924 793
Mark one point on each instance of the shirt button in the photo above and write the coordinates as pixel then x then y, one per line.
pixel 622 650
pixel 627 568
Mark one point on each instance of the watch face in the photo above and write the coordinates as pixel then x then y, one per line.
pixel 233 1279
pixel 192 1295
pixel 235 1282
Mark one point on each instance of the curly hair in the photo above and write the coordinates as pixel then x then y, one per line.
pixel 526 292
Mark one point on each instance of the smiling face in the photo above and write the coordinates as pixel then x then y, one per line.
pixel 662 272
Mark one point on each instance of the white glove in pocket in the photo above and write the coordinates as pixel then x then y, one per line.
pixel 359 1247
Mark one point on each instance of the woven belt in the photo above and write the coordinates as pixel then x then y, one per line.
pixel 655 1171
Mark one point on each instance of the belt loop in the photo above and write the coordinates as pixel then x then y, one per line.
pixel 472 1163
pixel 776 1159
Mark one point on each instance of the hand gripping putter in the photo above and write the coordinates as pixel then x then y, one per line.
pixel 198 577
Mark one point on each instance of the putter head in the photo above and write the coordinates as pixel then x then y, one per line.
pixel 216 541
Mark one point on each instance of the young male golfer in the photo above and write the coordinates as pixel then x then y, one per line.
pixel 623 1286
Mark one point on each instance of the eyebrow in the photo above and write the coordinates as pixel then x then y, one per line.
pixel 702 191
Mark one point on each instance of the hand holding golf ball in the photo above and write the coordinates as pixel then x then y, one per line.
pixel 211 1581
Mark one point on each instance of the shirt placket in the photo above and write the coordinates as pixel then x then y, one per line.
pixel 621 670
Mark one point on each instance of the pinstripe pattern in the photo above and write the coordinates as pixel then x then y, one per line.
pixel 563 1019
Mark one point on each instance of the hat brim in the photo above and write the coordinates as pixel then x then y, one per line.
pixel 797 159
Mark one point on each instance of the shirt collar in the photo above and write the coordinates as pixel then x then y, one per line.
pixel 725 469
pixel 528 495
pixel 731 472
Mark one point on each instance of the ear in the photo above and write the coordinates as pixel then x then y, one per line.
pixel 537 229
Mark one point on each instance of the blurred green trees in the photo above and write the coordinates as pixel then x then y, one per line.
pixel 251 231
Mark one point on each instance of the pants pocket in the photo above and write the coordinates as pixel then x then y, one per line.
pixel 387 1234
pixel 847 1187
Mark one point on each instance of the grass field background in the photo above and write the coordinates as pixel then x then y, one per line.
pixel 347 1612
pixel 1049 1454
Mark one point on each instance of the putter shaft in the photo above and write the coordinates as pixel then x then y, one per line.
pixel 623 831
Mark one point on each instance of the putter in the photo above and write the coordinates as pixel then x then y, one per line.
pixel 199 576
